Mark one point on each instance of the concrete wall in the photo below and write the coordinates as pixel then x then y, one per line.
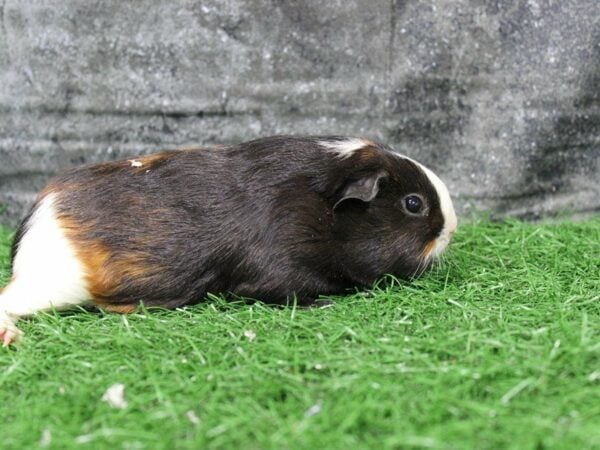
pixel 500 97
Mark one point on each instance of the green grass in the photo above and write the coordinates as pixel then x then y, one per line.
pixel 498 348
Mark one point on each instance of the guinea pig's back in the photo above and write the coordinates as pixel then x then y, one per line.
pixel 145 228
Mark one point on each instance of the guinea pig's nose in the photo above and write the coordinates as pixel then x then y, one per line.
pixel 452 230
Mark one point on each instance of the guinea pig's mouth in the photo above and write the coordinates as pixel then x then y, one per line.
pixel 433 249
pixel 436 247
pixel 432 253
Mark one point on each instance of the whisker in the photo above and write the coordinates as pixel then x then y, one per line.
pixel 423 262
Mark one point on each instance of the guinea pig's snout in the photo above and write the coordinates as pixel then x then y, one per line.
pixel 434 248
pixel 451 233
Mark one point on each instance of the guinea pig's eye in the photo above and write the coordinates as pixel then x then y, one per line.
pixel 413 203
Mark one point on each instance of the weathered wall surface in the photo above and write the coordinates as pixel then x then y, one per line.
pixel 500 97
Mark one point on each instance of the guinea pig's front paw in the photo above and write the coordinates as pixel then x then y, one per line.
pixel 318 303
pixel 9 332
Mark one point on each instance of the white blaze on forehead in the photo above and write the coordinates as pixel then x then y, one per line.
pixel 345 147
pixel 445 201
pixel 446 207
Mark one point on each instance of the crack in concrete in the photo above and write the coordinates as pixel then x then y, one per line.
pixel 7 109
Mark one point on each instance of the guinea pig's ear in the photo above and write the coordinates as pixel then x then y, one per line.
pixel 364 188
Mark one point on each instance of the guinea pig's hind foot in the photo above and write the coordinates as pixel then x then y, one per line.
pixel 9 333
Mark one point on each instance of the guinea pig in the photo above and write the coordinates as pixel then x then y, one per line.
pixel 272 219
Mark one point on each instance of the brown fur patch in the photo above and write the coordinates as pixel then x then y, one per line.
pixel 104 270
pixel 367 153
pixel 148 162
pixel 155 158
pixel 120 309
pixel 428 248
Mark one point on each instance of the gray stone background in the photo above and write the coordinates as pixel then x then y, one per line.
pixel 500 97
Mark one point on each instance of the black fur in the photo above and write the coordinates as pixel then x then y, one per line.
pixel 255 219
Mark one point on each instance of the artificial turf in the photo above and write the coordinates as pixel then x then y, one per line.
pixel 497 348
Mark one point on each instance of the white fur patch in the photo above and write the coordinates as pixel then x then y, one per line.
pixel 346 147
pixel 46 271
pixel 446 207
